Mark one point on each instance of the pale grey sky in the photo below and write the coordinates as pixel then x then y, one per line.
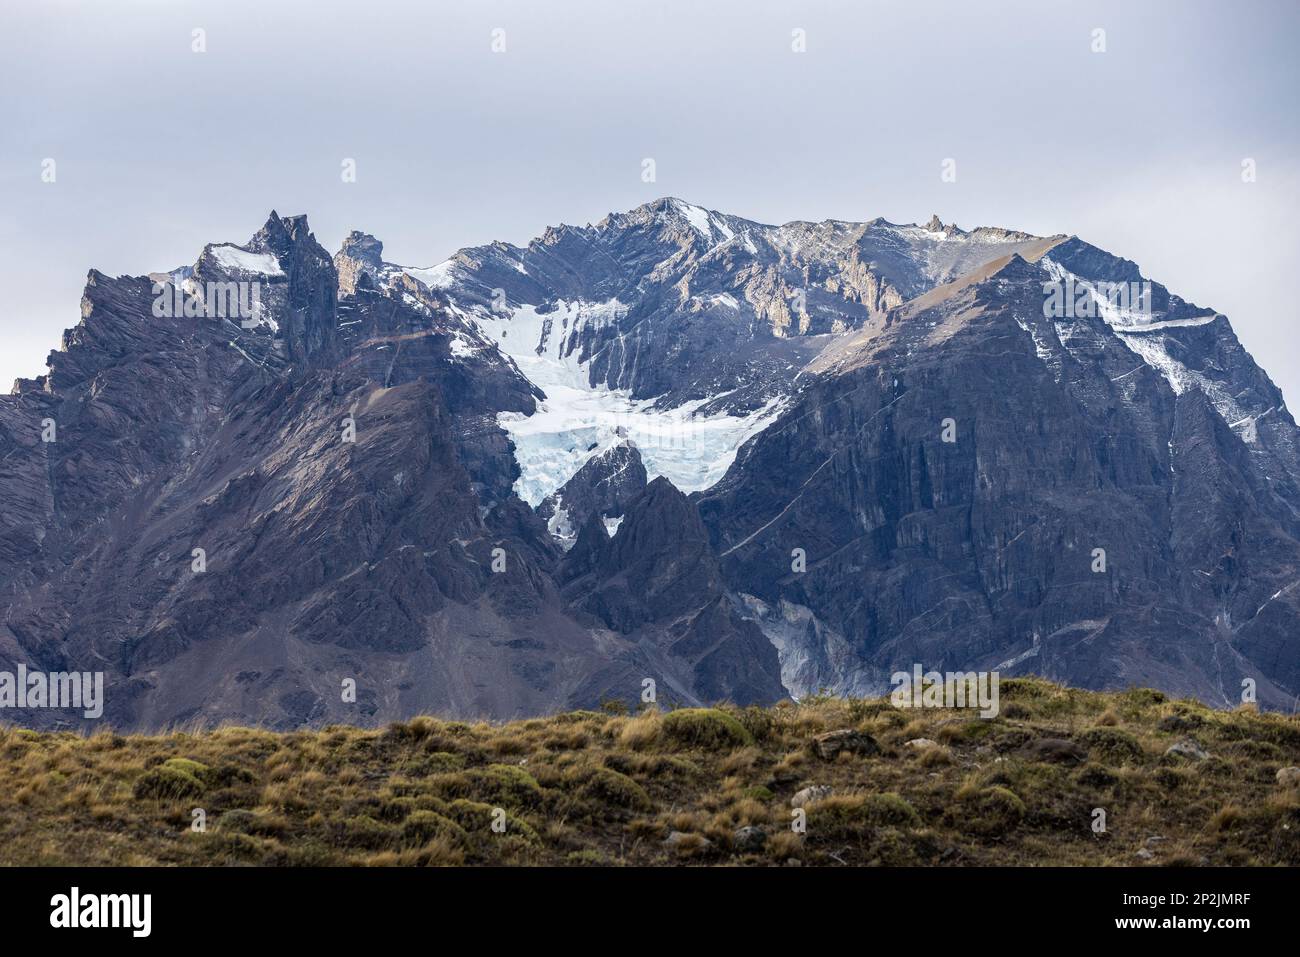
pixel 160 149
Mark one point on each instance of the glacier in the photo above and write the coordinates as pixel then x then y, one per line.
pixel 578 421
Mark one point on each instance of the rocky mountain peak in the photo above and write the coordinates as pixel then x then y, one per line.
pixel 363 248
pixel 677 218
pixel 360 255
pixel 823 451
pixel 603 487
pixel 277 234
pixel 661 521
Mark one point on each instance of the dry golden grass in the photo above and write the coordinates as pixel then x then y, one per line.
pixel 605 788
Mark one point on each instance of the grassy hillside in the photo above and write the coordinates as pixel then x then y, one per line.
pixel 679 787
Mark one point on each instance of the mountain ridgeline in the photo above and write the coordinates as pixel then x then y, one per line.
pixel 675 450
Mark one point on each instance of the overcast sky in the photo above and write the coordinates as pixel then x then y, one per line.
pixel 159 149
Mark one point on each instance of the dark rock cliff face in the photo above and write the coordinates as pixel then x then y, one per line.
pixel 982 551
pixel 306 309
pixel 658 581
pixel 603 487
pixel 237 517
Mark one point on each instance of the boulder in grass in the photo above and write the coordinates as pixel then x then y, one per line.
pixel 814 792
pixel 832 743
pixel 1188 748
pixel 750 839
pixel 687 844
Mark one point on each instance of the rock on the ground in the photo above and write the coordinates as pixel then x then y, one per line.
pixel 1188 748
pixel 830 744
pixel 815 792
pixel 676 839
pixel 749 839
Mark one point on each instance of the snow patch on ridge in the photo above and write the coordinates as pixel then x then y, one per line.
pixel 1154 352
pixel 697 217
pixel 241 260
pixel 1146 339
pixel 1042 348
pixel 441 276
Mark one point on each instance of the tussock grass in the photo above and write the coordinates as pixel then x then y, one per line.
pixel 607 788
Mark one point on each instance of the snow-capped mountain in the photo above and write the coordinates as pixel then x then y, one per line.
pixel 741 460
pixel 680 328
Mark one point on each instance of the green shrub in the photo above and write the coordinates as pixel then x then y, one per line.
pixel 890 809
pixel 1113 746
pixel 477 818
pixel 364 832
pixel 1256 750
pixel 706 728
pixel 169 780
pixel 1139 699
pixel 849 816
pixel 187 766
pixel 421 827
pixel 471 815
pixel 605 787
pixel 395 810
pixel 1095 776
pixel 988 812
pixel 497 784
